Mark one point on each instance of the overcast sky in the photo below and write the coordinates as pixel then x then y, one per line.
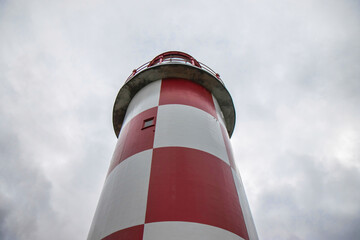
pixel 292 68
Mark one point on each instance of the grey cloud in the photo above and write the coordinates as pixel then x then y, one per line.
pixel 291 67
pixel 5 211
pixel 25 192
pixel 310 201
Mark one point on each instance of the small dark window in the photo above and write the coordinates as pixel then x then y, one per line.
pixel 148 122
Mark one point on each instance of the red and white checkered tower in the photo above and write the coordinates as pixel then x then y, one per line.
pixel 172 175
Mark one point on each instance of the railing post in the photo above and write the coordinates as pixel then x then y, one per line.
pixel 134 72
pixel 176 57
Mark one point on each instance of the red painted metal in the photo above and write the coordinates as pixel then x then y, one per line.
pixel 134 138
pixel 193 186
pixel 181 91
pixel 132 233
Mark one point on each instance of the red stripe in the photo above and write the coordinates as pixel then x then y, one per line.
pixel 134 138
pixel 132 233
pixel 181 91
pixel 194 186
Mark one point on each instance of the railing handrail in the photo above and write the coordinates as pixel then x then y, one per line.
pixel 174 58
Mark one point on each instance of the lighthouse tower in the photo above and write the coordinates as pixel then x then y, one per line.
pixel 172 175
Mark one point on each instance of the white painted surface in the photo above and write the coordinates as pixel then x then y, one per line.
pixel 250 226
pixel 186 231
pixel 123 200
pixel 219 113
pixel 186 126
pixel 146 98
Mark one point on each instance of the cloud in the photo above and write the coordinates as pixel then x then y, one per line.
pixel 292 70
pixel 25 192
pixel 310 200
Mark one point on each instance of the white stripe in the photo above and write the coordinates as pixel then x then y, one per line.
pixel 249 222
pixel 186 126
pixel 148 97
pixel 186 230
pixel 219 113
pixel 124 197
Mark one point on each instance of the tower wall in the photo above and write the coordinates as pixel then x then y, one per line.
pixel 173 175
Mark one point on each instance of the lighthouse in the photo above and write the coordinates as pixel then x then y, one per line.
pixel 173 174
